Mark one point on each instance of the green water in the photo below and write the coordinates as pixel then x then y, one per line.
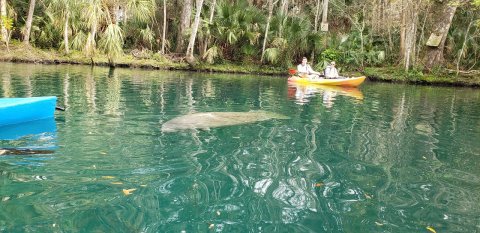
pixel 381 158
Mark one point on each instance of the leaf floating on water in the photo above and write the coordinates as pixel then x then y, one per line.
pixel 379 224
pixel 108 177
pixel 368 196
pixel 431 229
pixel 116 183
pixel 318 184
pixel 128 191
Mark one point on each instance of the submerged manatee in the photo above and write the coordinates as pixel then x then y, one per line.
pixel 207 120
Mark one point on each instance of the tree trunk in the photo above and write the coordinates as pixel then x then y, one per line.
pixel 284 7
pixel 325 11
pixel 164 25
pixel 318 11
pixel 90 45
pixel 460 54
pixel 270 12
pixel 28 23
pixel 317 15
pixel 3 13
pixel 210 20
pixel 410 20
pixel 184 26
pixel 444 12
pixel 403 30
pixel 191 43
pixel 65 32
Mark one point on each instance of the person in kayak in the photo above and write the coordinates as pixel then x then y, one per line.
pixel 306 71
pixel 331 71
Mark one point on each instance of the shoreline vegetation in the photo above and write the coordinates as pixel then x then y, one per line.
pixel 27 54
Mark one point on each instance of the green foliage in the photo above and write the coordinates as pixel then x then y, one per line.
pixel 111 41
pixel 237 31
pixel 329 55
pixel 236 25
pixel 147 36
pixel 142 10
pixel 79 40
pixel 272 55
pixel 414 74
pixel 212 54
pixel 7 22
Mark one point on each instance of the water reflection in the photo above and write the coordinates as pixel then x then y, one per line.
pixel 7 84
pixel 302 93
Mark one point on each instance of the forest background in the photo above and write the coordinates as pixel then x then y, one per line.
pixel 407 39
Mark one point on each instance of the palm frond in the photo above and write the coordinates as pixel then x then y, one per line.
pixel 211 54
pixel 141 10
pixel 272 55
pixel 111 41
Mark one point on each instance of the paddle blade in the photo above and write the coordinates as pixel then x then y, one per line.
pixel 292 71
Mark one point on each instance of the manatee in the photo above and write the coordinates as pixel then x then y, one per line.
pixel 207 120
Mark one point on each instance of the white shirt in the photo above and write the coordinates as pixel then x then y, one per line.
pixel 331 72
pixel 305 69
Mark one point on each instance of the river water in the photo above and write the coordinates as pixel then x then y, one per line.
pixel 380 158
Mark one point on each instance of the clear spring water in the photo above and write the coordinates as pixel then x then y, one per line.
pixel 380 158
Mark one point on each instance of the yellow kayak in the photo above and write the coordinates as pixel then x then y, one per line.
pixel 346 82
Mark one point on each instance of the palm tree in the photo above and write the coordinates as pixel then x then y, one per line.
pixel 93 14
pixel 64 9
pixel 102 14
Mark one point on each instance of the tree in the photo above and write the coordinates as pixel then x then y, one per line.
pixel 184 25
pixel 194 32
pixel 441 22
pixel 28 23
pixel 164 25
pixel 93 15
pixel 270 12
pixel 3 16
pixel 64 8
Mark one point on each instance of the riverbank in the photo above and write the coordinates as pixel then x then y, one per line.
pixel 445 78
pixel 145 60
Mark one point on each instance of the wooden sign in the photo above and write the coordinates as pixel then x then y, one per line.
pixel 324 27
pixel 434 40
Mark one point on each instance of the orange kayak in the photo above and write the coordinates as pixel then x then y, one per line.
pixel 346 82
